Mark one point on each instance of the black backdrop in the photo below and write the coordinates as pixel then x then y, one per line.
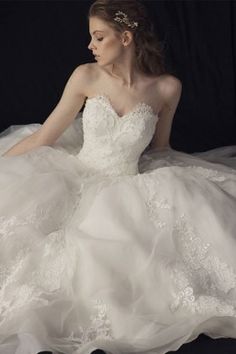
pixel 43 41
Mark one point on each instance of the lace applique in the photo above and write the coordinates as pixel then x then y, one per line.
pixel 49 275
pixel 153 202
pixel 22 295
pixel 201 304
pixel 12 229
pixel 100 324
pixel 7 225
pixel 149 162
pixel 52 271
pixel 202 279
pixel 99 328
pixel 210 174
pixel 162 203
pixel 49 268
pixel 7 272
pixel 42 217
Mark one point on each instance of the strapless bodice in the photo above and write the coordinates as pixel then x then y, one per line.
pixel 112 144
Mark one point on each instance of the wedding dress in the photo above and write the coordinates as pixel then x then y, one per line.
pixel 106 245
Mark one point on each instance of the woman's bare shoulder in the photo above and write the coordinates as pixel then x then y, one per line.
pixel 85 71
pixel 169 86
pixel 88 74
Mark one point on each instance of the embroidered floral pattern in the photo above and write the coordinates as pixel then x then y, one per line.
pixel 154 204
pixel 47 277
pixel 202 279
pixel 210 174
pixel 100 326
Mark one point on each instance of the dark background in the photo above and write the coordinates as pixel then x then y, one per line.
pixel 43 41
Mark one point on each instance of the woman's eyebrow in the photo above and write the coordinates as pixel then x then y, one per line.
pixel 97 31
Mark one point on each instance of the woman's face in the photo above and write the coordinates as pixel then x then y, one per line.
pixel 104 44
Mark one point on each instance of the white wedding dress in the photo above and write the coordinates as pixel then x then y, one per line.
pixel 106 245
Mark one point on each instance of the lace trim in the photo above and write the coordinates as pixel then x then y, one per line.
pixel 139 106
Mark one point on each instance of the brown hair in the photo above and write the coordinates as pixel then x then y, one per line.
pixel 149 56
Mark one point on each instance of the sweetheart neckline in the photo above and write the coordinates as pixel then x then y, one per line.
pixel 136 106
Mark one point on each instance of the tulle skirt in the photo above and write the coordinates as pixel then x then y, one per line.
pixel 128 264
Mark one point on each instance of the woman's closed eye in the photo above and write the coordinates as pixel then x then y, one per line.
pixel 100 39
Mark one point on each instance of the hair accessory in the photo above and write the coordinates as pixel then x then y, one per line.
pixel 124 19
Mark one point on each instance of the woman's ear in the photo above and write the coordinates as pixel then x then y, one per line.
pixel 127 38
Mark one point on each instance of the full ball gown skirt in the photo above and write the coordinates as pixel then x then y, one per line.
pixel 104 245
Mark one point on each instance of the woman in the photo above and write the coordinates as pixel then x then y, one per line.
pixel 104 244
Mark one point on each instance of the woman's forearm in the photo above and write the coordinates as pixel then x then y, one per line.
pixel 28 143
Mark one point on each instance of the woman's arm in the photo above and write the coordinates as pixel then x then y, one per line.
pixel 61 117
pixel 170 89
pixel 24 145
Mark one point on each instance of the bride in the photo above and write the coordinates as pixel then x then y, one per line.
pixel 109 238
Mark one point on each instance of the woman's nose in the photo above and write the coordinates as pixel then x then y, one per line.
pixel 90 45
